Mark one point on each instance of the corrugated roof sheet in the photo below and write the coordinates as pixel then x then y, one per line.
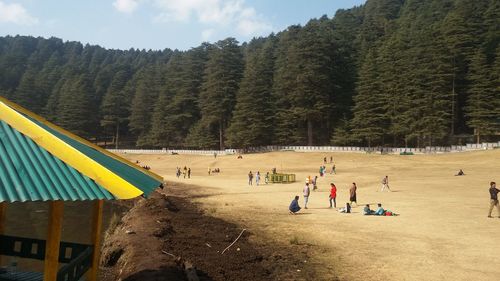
pixel 30 173
pixel 55 164
pixel 131 174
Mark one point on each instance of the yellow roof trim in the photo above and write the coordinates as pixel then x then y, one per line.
pixel 119 187
pixel 77 138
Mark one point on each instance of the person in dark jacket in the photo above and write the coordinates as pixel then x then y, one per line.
pixel 353 194
pixel 294 206
pixel 494 198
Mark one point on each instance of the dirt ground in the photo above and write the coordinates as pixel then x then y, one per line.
pixel 442 233
pixel 157 236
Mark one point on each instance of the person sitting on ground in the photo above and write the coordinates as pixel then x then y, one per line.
pixel 460 173
pixel 294 206
pixel 346 209
pixel 367 211
pixel 380 211
pixel 240 157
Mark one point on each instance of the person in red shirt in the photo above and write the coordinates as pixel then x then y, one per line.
pixel 333 195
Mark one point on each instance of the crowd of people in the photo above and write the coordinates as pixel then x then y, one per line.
pixel 332 196
pixel 311 184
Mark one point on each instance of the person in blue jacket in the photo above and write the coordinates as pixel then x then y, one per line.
pixel 294 206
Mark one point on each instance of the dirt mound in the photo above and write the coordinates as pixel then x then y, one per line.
pixel 158 234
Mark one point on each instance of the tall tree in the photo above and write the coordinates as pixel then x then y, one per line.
pixel 482 104
pixel 369 120
pixel 252 122
pixel 145 94
pixel 75 106
pixel 221 80
pixel 115 105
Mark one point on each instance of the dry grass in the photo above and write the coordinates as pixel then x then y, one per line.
pixel 442 232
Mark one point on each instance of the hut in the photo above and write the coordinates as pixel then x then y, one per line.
pixel 44 163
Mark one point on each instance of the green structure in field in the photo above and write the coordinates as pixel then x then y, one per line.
pixel 282 178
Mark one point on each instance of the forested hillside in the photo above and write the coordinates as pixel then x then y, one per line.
pixel 391 72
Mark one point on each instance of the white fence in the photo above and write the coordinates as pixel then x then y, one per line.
pixel 384 150
pixel 174 151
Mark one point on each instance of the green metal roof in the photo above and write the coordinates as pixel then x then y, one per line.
pixel 28 172
pixel 142 181
pixel 40 161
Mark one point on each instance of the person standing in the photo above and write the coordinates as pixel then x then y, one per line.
pixel 307 192
pixel 266 179
pixel 331 159
pixel 189 172
pixel 494 198
pixel 250 178
pixel 315 183
pixel 257 178
pixel 333 195
pixel 324 160
pixel 352 194
pixel 333 170
pixel 184 171
pixel 385 184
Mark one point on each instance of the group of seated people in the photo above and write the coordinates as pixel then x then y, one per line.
pixel 379 212
pixel 216 170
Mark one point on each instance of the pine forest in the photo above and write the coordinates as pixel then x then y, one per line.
pixel 387 73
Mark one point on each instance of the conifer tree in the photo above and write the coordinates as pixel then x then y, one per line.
pixel 115 105
pixel 482 103
pixel 369 121
pixel 146 93
pixel 75 106
pixel 252 121
pixel 220 84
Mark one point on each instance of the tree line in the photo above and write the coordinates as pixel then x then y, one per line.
pixel 389 72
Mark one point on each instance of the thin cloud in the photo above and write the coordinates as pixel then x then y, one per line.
pixel 207 34
pixel 16 14
pixel 214 13
pixel 126 6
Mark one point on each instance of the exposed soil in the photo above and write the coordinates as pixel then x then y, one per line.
pixel 158 234
pixel 442 233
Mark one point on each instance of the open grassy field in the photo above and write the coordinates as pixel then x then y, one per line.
pixel 442 233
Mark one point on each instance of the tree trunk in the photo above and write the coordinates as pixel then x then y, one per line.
pixel 117 134
pixel 221 135
pixel 453 101
pixel 309 132
pixel 478 136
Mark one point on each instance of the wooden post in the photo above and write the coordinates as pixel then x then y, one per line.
pixel 3 209
pixel 53 240
pixel 96 238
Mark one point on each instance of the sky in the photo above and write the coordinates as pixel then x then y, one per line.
pixel 159 24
